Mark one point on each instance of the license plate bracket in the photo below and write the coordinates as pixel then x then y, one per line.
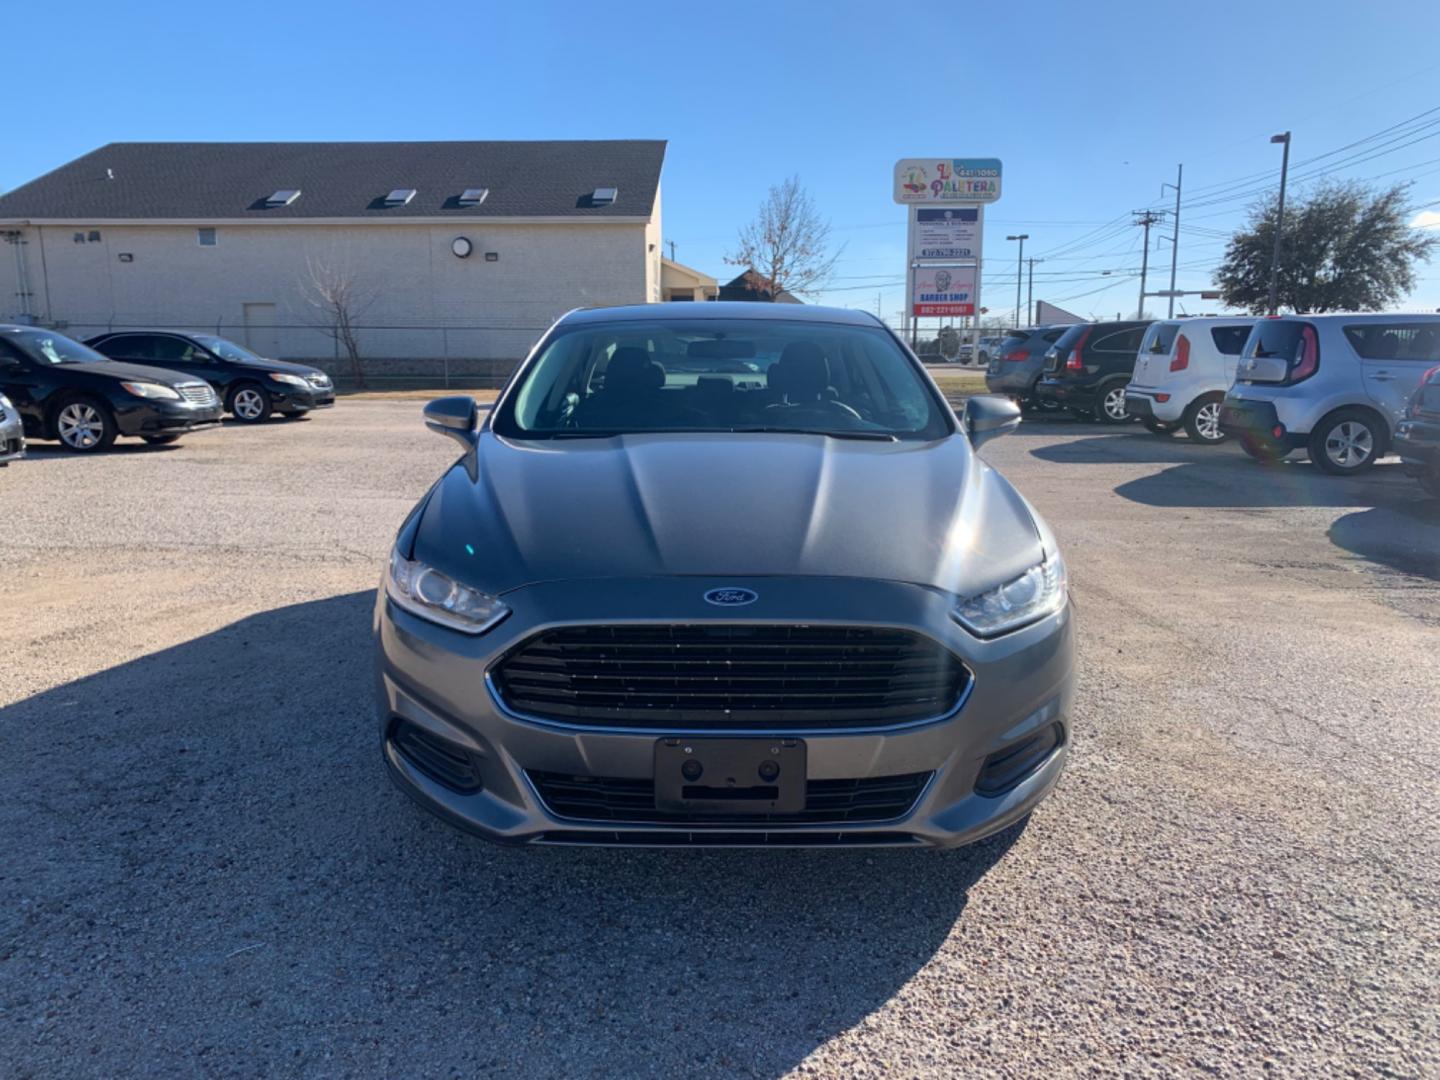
pixel 729 776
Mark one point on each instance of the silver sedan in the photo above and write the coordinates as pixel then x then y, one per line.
pixel 724 574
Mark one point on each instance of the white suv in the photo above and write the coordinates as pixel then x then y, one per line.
pixel 1334 384
pixel 1182 372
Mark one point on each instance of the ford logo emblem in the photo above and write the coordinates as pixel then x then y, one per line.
pixel 731 597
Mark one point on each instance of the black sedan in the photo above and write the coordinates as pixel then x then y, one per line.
pixel 252 387
pixel 64 390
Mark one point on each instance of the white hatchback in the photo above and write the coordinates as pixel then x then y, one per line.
pixel 1182 372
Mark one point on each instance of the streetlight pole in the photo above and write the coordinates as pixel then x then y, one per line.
pixel 1030 294
pixel 1279 221
pixel 1019 272
pixel 1174 240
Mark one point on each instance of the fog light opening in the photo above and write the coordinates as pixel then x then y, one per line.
pixel 440 759
pixel 1005 769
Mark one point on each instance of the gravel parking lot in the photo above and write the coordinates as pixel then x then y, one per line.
pixel 203 870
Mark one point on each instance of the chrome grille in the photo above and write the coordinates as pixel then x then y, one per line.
pixel 198 393
pixel 727 676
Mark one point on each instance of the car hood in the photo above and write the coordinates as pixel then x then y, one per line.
pixel 723 505
pixel 119 369
pixel 278 365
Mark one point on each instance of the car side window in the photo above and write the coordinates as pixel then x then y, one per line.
pixel 129 347
pixel 1229 339
pixel 1121 340
pixel 175 349
pixel 1396 341
pixel 10 356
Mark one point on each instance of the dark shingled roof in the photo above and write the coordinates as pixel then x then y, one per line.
pixel 190 181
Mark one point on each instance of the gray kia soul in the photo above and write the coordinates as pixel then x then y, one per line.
pixel 724 574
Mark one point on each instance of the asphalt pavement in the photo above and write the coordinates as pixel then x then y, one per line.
pixel 204 871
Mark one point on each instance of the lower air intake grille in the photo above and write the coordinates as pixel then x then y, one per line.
pixel 827 802
pixel 437 758
pixel 731 676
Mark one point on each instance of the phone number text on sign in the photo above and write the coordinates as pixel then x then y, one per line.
pixel 944 290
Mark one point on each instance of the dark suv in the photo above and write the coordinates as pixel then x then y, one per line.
pixel 1015 365
pixel 250 386
pixel 1088 368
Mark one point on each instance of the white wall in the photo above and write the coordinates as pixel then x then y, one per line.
pixel 425 302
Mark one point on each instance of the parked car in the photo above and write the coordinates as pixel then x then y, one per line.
pixel 724 610
pixel 1018 362
pixel 251 387
pixel 1336 385
pixel 1182 372
pixel 12 432
pixel 986 348
pixel 1417 437
pixel 67 391
pixel 1088 368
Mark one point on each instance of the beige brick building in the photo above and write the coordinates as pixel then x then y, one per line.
pixel 452 252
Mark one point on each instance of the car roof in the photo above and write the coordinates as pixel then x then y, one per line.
pixel 719 310
pixel 1218 320
pixel 1357 316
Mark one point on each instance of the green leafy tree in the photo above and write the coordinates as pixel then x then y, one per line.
pixel 1346 247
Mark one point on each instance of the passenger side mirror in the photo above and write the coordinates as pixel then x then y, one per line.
pixel 455 417
pixel 989 415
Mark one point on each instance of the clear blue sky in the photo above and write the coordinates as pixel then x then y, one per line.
pixel 1090 106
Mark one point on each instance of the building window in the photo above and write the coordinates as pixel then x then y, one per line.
pixel 93 236
pixel 205 237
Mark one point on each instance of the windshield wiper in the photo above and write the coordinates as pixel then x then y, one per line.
pixel 865 436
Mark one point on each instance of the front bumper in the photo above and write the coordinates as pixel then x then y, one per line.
pixel 436 679
pixel 148 417
pixel 12 438
pixel 298 399
pixel 1257 421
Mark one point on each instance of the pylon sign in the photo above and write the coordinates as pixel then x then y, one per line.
pixel 947 197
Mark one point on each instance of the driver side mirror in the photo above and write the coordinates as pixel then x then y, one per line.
pixel 989 415
pixel 455 417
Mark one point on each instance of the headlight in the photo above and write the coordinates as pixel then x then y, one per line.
pixel 293 380
pixel 150 390
pixel 422 590
pixel 1038 592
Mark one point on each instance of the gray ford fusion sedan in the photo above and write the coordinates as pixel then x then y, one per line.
pixel 724 574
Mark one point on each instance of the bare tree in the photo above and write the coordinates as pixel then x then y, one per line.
pixel 338 300
pixel 788 243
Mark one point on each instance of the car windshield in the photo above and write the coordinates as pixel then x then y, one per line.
pixel 631 376
pixel 49 347
pixel 227 350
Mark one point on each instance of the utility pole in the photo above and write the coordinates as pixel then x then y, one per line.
pixel 1030 293
pixel 1174 240
pixel 1279 221
pixel 672 249
pixel 1019 267
pixel 1145 218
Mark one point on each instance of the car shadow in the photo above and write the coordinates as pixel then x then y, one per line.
pixel 48 451
pixel 1122 443
pixel 1219 479
pixel 203 856
pixel 1403 535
